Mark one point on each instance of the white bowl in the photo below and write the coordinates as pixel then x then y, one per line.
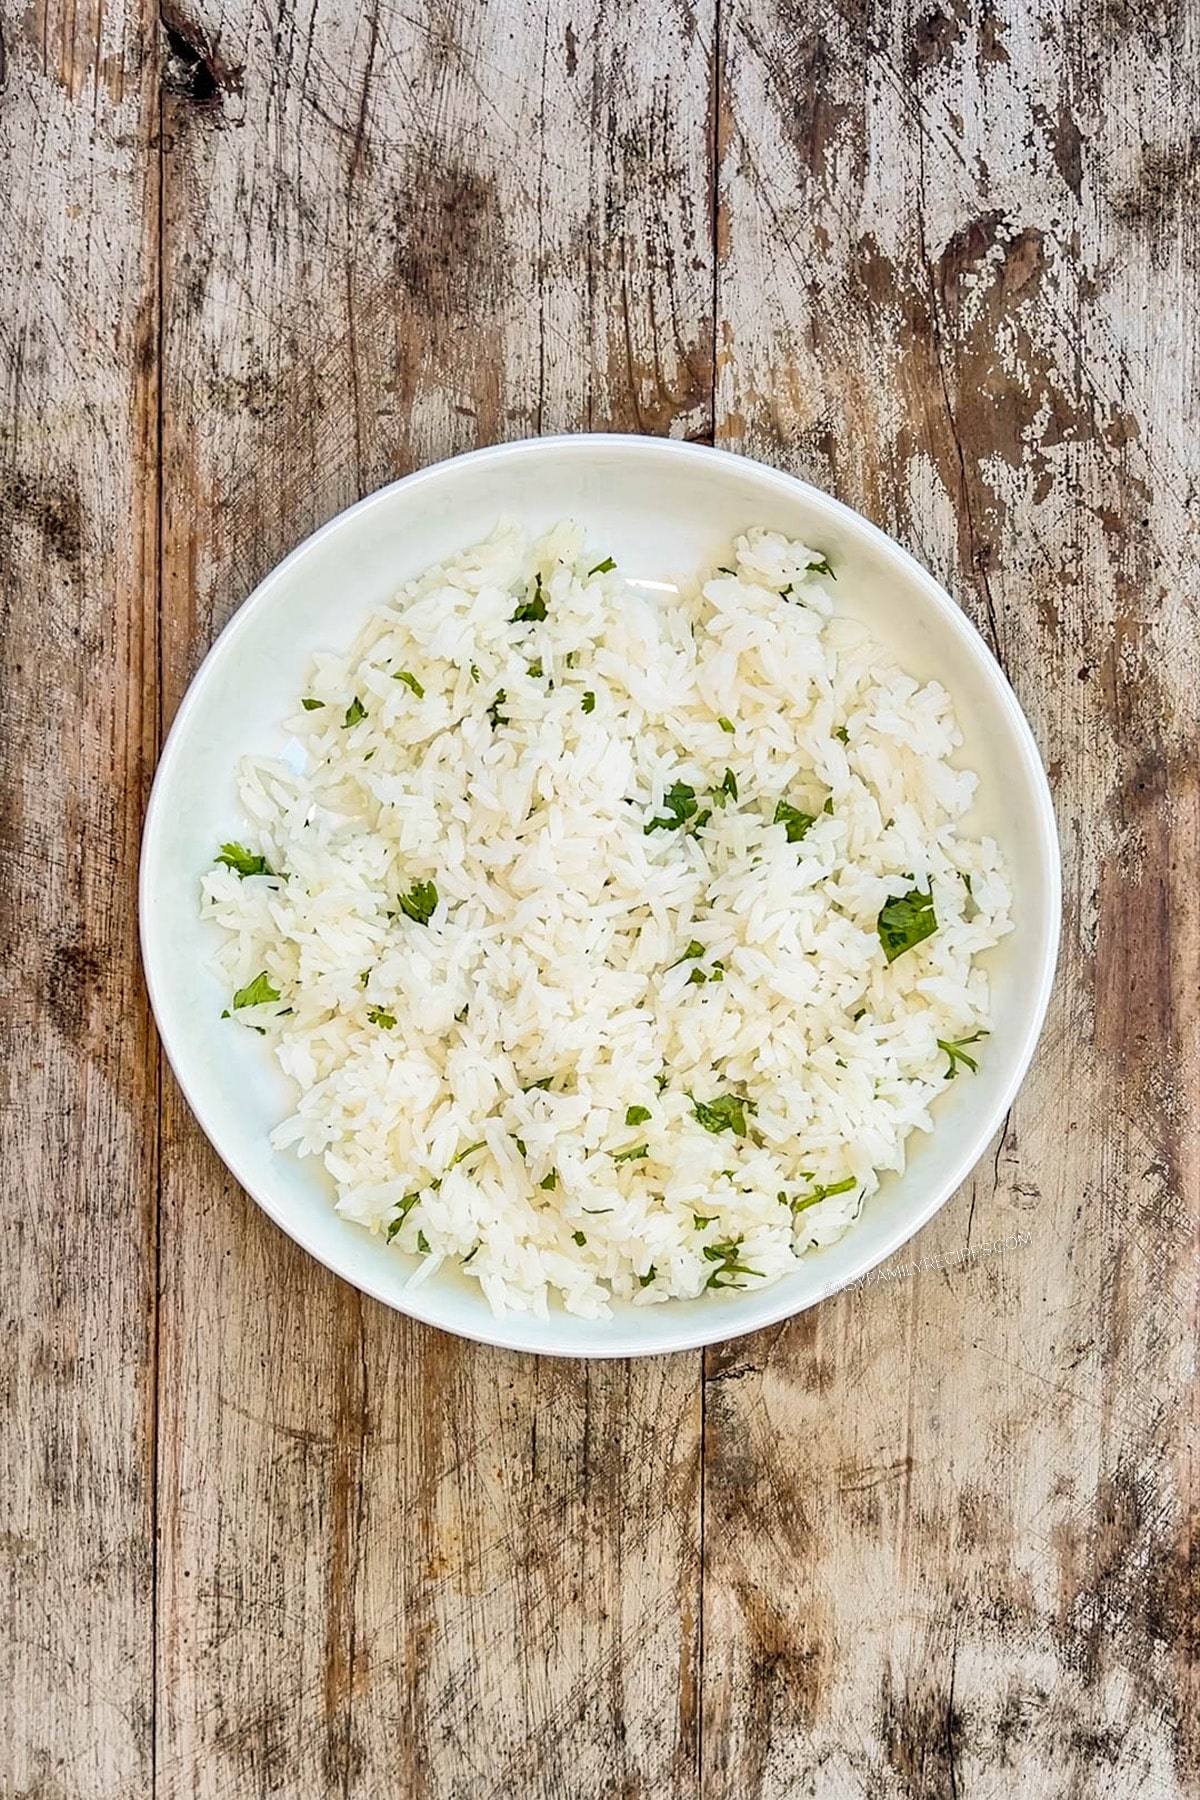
pixel 663 509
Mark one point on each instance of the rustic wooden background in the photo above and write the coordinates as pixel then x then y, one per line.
pixel 261 1537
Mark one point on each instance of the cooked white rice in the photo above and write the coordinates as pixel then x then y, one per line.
pixel 467 1079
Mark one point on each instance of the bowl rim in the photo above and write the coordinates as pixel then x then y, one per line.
pixel 762 1307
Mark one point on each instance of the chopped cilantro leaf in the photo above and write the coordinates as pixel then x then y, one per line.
pixel 589 702
pixel 402 1212
pixel 355 712
pixel 797 822
pixel 636 1115
pixel 520 1143
pixel 243 862
pixel 727 725
pixel 726 1256
pixel 602 568
pixel 578 1238
pixel 256 992
pixel 549 1182
pixel 535 668
pixel 648 1277
pixel 474 677
pixel 634 1154
pixel 728 789
pixel 493 711
pixel 311 705
pixel 680 802
pixel 420 904
pixel 697 978
pixel 410 681
pixel 378 1015
pixel 726 1113
pixel 905 920
pixel 543 1084
pixel 422 1243
pixel 822 568
pixel 532 612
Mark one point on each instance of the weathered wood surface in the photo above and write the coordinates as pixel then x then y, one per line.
pixel 933 1539
pixel 78 728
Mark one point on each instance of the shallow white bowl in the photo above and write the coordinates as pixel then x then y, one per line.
pixel 663 509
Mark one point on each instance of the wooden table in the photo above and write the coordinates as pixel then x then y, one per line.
pixel 262 1537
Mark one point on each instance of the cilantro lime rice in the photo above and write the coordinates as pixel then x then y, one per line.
pixel 615 939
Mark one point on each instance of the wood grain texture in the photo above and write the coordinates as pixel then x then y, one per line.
pixel 958 288
pixel 934 1539
pixel 78 723
pixel 392 1562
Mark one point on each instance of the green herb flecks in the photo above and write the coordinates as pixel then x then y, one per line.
pixel 533 610
pixel 256 993
pixel 820 1193
pixel 470 1150
pixel 493 711
pixel 549 1182
pixel 726 1113
pixel 727 725
pixel 588 702
pixel 474 677
pixel 955 1050
pixel 402 1212
pixel 905 920
pixel 379 1015
pixel 728 789
pixel 422 1243
pixel 842 735
pixel 410 681
pixel 797 822
pixel 543 1085
pixel 636 1115
pixel 520 1143
pixel 577 1237
pixel 729 1264
pixel 356 712
pixel 603 568
pixel 535 668
pixel 311 705
pixel 635 1153
pixel 680 802
pixel 243 862
pixel 419 905
pixel 648 1277
pixel 823 567
pixel 694 949
pixel 700 1221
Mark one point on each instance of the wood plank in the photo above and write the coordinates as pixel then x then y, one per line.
pixel 958 289
pixel 78 574
pixel 393 1562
